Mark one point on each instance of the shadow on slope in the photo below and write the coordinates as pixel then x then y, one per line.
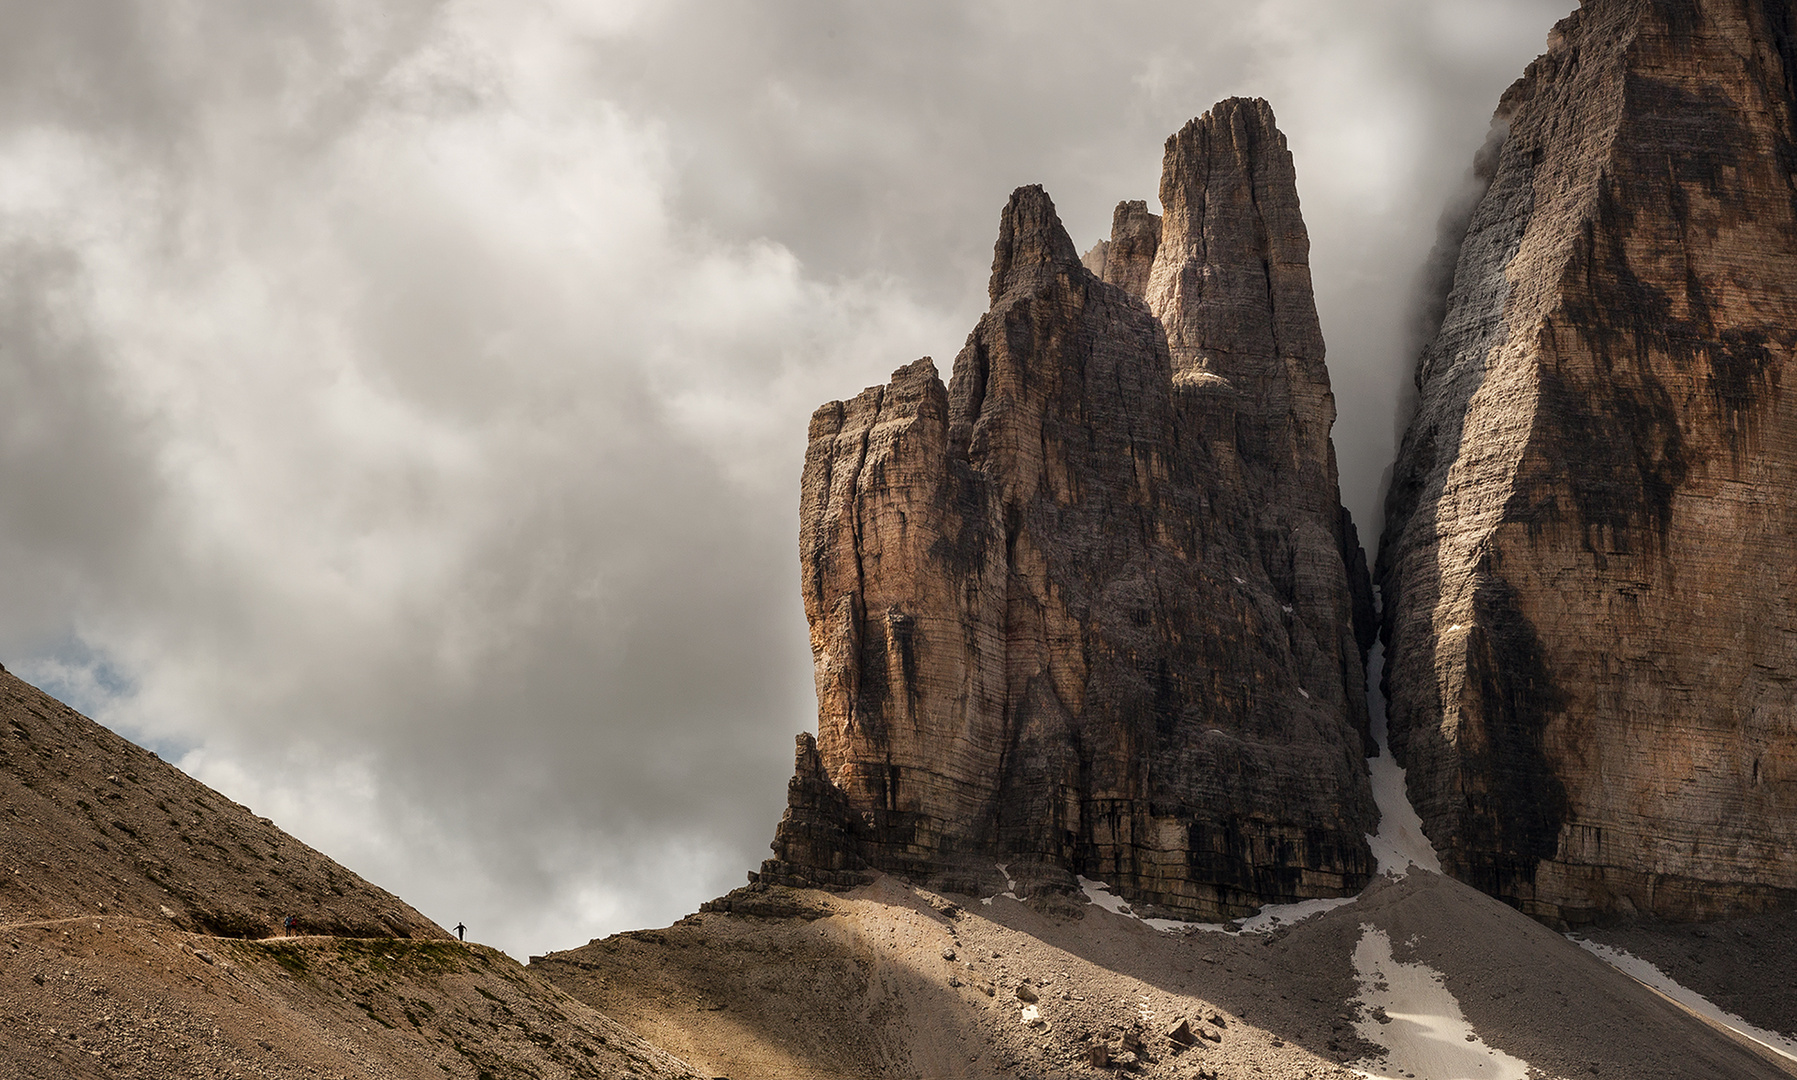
pixel 892 981
pixel 1745 966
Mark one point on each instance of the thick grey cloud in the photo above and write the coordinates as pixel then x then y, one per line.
pixel 401 405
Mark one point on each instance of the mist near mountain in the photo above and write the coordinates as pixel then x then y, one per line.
pixel 402 407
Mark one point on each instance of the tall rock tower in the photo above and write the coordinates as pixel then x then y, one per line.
pixel 1091 609
pixel 1590 565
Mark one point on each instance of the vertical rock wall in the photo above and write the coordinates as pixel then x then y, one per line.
pixel 1127 258
pixel 1091 609
pixel 1590 565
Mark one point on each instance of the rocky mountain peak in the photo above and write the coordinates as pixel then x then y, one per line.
pixel 1231 279
pixel 1031 242
pixel 1126 259
pixel 1078 617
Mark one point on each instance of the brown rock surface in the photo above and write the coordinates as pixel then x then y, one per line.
pixel 1590 567
pixel 1127 258
pixel 819 839
pixel 1087 610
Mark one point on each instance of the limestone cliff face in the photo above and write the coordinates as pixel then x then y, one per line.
pixel 1590 568
pixel 1088 609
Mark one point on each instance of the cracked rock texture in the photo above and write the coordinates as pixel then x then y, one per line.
pixel 1092 607
pixel 1127 258
pixel 1590 567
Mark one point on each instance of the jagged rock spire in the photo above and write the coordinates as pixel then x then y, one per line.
pixel 1057 621
pixel 1031 243
pixel 1127 257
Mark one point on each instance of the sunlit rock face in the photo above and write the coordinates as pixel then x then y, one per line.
pixel 1127 258
pixel 1091 608
pixel 1590 567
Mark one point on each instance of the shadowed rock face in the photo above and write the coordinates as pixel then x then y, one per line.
pixel 1091 608
pixel 1590 567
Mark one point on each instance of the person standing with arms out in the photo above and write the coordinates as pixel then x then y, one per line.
pixel 459 931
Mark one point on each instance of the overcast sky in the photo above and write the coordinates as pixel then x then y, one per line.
pixel 402 405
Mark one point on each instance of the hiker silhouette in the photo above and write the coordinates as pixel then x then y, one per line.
pixel 459 931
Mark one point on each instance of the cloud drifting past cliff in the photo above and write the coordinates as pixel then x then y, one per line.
pixel 402 405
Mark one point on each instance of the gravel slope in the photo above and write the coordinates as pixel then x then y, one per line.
pixel 1746 966
pixel 91 823
pixel 893 981
pixel 137 908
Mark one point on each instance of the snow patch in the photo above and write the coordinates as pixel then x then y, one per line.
pixel 1010 892
pixel 1648 975
pixel 1269 918
pixel 1400 842
pixel 1097 892
pixel 1273 916
pixel 1407 1009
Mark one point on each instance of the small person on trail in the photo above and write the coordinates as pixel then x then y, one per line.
pixel 459 931
pixel 290 924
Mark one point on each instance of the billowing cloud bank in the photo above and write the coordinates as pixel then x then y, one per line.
pixel 401 405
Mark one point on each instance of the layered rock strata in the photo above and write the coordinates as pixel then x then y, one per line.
pixel 1590 568
pixel 1091 608
pixel 1127 259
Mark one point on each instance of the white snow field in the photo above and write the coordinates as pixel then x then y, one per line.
pixel 1429 1012
pixel 1406 1008
pixel 1410 1012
